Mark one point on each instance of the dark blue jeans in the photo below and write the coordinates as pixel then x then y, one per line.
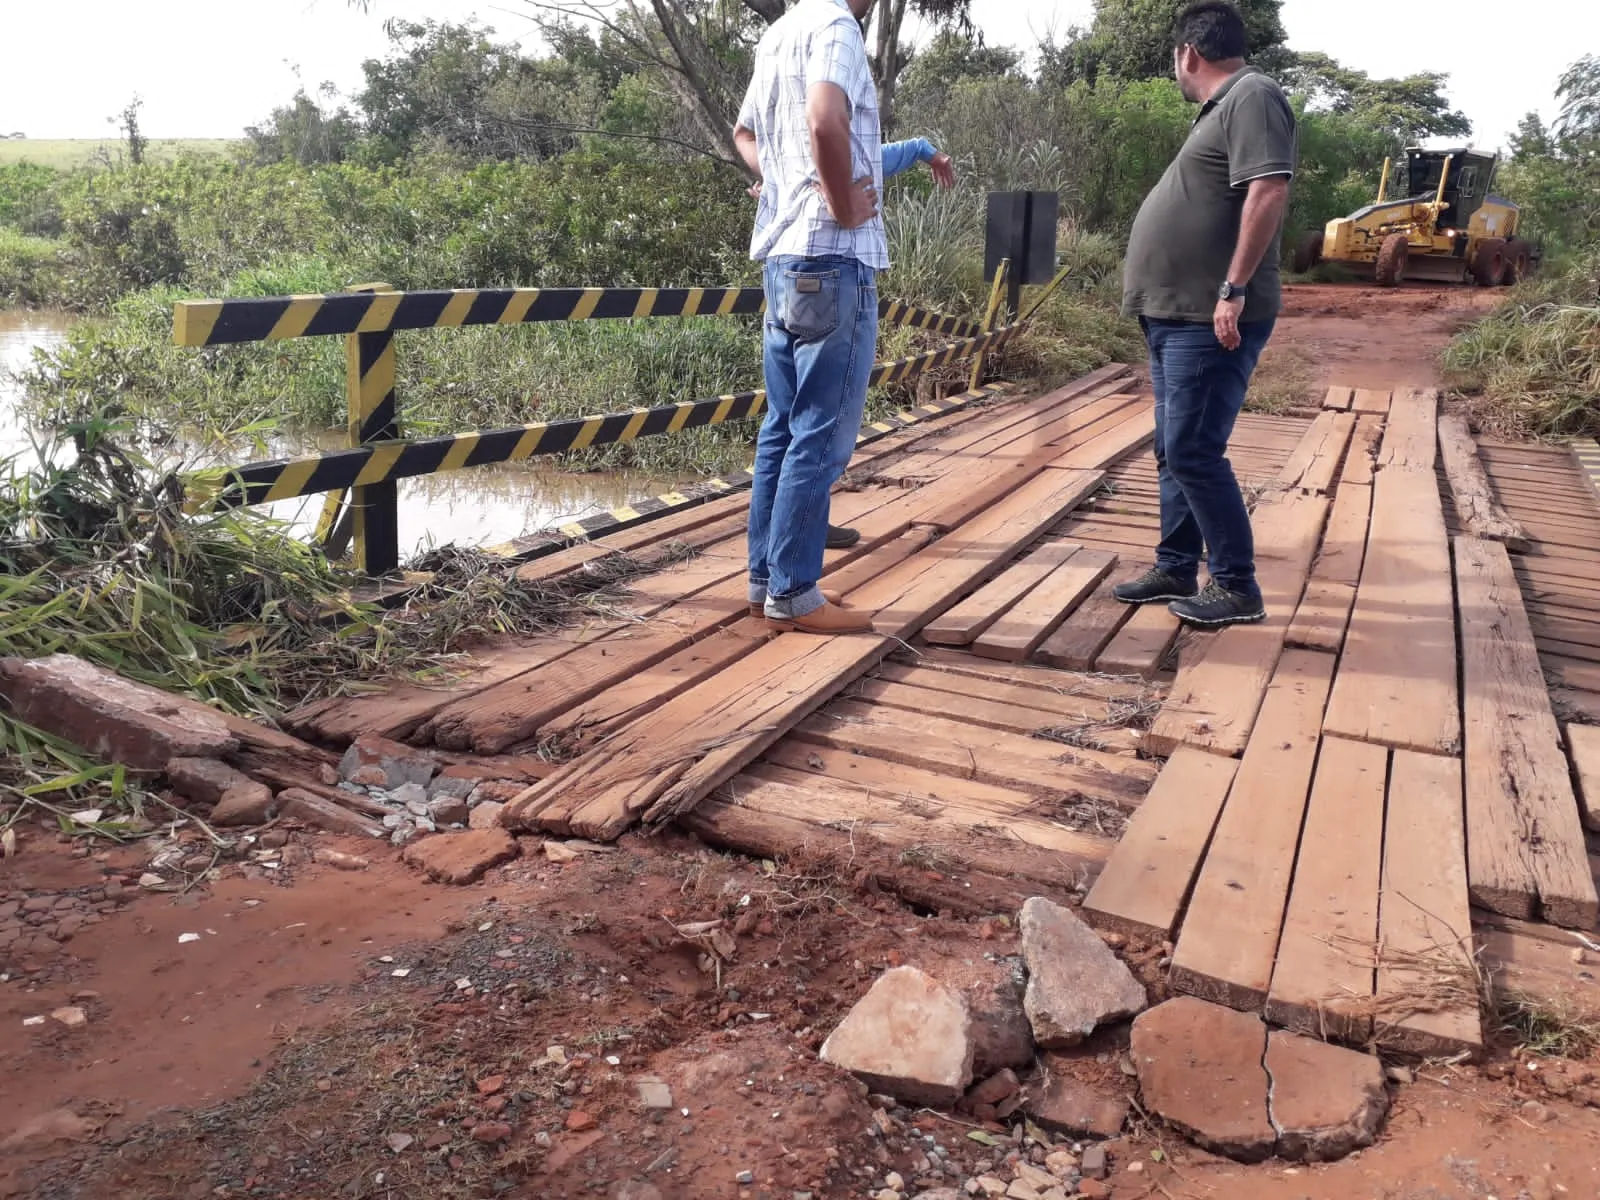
pixel 1200 388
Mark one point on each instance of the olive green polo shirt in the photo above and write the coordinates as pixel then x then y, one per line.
pixel 1184 236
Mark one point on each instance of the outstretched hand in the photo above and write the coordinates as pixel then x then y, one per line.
pixel 943 168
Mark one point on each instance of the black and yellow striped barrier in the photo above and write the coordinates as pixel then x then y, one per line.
pixel 382 463
pixel 278 318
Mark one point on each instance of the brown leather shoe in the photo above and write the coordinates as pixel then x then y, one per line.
pixel 832 597
pixel 830 618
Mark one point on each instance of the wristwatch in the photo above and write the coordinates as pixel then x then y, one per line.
pixel 1232 291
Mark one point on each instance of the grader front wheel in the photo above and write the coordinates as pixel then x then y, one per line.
pixel 1489 268
pixel 1392 256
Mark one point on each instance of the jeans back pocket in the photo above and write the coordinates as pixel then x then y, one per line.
pixel 810 304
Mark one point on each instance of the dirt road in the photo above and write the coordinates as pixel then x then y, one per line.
pixel 296 1030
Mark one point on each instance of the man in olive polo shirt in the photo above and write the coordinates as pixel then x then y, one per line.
pixel 1202 277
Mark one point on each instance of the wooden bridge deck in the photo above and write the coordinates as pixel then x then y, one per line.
pixel 1308 809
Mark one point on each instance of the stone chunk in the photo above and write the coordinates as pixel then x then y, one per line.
pixel 203 779
pixel 114 719
pixel 399 764
pixel 1075 982
pixel 461 858
pixel 1094 1164
pixel 325 814
pixel 910 1036
pixel 1063 1105
pixel 654 1093
pixel 1325 1101
pixel 1199 1068
pixel 486 815
pixel 1001 1035
pixel 248 803
pixel 449 810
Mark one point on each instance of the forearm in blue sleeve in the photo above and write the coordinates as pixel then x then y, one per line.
pixel 902 156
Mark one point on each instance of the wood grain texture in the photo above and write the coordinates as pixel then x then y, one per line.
pixel 1477 508
pixel 1023 627
pixel 1583 744
pixel 967 620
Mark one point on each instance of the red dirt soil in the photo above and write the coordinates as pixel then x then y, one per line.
pixel 284 1053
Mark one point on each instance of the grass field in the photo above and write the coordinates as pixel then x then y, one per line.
pixel 66 153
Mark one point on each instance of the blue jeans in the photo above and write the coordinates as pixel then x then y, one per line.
pixel 1200 388
pixel 820 341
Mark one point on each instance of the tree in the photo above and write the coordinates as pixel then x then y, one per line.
pixel 703 48
pixel 1132 39
pixel 128 121
pixel 1579 93
pixel 303 132
pixel 946 61
pixel 1406 109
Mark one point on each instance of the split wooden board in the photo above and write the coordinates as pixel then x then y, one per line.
pixel 1526 851
pixel 1021 628
pixel 1230 935
pixel 1369 400
pixel 1322 983
pixel 1477 507
pixel 1324 613
pixel 1143 888
pixel 1315 461
pixel 1427 985
pixel 1078 642
pixel 977 612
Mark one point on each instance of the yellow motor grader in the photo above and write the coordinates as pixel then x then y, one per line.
pixel 1446 226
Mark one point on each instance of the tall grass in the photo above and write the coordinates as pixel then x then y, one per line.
pixel 1532 367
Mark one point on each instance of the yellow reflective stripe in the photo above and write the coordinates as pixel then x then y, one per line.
pixel 378 382
pixel 456 310
pixel 574 531
pixel 635 424
pixel 724 407
pixel 293 479
pixel 680 418
pixel 295 318
pixel 591 427
pixel 380 313
pixel 456 457
pixel 528 443
pixel 647 302
pixel 193 321
pixel 673 498
pixel 625 513
pixel 691 306
pixel 728 302
pixel 587 303
pixel 384 456
pixel 521 301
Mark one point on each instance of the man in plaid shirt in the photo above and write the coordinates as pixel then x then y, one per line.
pixel 809 129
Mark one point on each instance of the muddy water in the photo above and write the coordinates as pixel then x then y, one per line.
pixel 483 506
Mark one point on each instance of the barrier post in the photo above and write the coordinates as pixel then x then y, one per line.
pixel 373 417
pixel 990 317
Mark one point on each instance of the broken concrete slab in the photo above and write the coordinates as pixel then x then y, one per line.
pixel 247 803
pixel 1063 1105
pixel 461 858
pixel 114 719
pixel 203 779
pixel 321 813
pixel 1325 1101
pixel 399 764
pixel 1199 1068
pixel 1075 982
pixel 1001 1035
pixel 909 1036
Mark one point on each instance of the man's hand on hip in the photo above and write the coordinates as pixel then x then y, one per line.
pixel 857 206
pixel 1226 322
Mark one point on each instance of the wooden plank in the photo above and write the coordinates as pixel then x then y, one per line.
pixel 1426 989
pixel 1230 935
pixel 971 709
pixel 1368 400
pixel 1344 545
pixel 1525 847
pixel 1339 398
pixel 1066 684
pixel 977 612
pixel 907 597
pixel 1322 983
pixel 1362 458
pixel 1079 640
pixel 1324 613
pixel 1397 676
pixel 968 751
pixel 1583 744
pixel 1057 704
pixel 1525 959
pixel 1141 646
pixel 1222 680
pixel 1411 435
pixel 1021 629
pixel 663 764
pixel 1476 506
pixel 1144 886
pixel 1315 461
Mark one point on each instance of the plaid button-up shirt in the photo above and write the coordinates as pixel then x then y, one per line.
pixel 817 41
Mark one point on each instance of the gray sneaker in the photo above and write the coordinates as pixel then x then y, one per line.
pixel 1217 606
pixel 1154 587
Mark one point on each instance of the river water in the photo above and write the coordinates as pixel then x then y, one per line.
pixel 477 507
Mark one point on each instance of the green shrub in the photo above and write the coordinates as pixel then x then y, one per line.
pixel 29 269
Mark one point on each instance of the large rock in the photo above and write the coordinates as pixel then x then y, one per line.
pixel 1075 982
pixel 203 779
pixel 908 1037
pixel 462 858
pixel 114 719
pixel 322 813
pixel 1063 1105
pixel 1325 1101
pixel 370 755
pixel 247 803
pixel 1001 1035
pixel 486 815
pixel 1199 1068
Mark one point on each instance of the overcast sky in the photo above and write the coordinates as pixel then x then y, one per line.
pixel 209 69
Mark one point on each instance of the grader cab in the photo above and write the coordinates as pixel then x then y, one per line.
pixel 1444 225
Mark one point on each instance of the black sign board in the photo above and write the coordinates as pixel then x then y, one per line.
pixel 1021 226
